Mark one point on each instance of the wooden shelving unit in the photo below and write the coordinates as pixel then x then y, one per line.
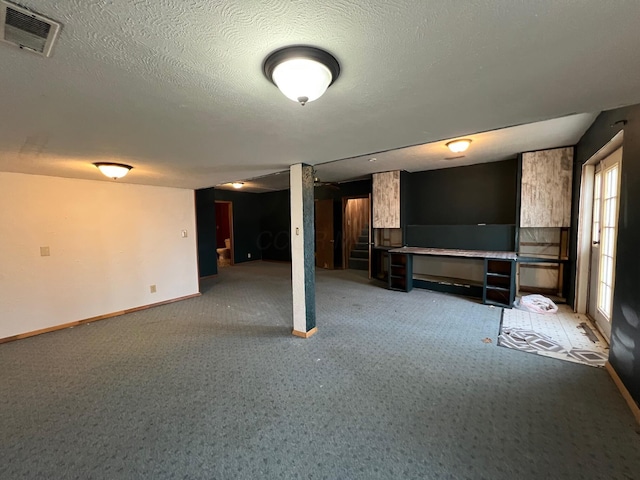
pixel 499 282
pixel 400 272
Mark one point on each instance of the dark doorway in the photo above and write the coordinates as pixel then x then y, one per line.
pixel 224 233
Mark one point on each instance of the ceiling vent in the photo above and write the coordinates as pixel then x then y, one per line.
pixel 26 29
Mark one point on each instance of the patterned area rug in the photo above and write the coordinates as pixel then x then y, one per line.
pixel 562 336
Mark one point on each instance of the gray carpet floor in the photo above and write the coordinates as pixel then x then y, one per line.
pixel 393 385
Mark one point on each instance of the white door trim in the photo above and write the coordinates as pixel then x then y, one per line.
pixel 583 252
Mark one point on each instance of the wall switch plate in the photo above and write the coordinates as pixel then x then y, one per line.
pixel 183 234
pixel 152 288
pixel 45 252
pixel 248 255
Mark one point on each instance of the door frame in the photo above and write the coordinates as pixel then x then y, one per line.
pixel 344 228
pixel 585 217
pixel 231 243
pixel 603 319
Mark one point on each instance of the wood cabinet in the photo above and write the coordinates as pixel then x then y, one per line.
pixel 545 190
pixel 499 282
pixel 400 272
pixel 386 199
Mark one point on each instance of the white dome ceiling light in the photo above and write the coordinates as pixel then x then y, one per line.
pixel 113 170
pixel 459 146
pixel 301 73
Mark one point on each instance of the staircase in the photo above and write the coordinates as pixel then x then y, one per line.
pixel 359 255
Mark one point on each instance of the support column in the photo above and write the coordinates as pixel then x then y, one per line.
pixel 303 268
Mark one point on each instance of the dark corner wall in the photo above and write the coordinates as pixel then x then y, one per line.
pixel 206 226
pixel 483 193
pixel 275 226
pixel 246 224
pixel 471 207
pixel 625 325
pixel 246 227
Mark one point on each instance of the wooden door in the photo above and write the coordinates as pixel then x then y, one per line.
pixel 324 233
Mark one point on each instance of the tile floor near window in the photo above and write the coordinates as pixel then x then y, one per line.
pixel 557 335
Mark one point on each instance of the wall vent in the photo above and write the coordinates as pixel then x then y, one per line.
pixel 26 29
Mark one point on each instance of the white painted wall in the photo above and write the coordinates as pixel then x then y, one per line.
pixel 108 242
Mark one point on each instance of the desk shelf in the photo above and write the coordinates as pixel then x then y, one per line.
pixel 497 287
pixel 400 272
pixel 458 286
pixel 499 282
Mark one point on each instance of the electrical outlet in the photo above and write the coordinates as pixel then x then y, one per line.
pixel 45 252
pixel 152 289
pixel 248 255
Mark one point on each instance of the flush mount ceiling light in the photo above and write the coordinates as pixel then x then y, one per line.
pixel 237 184
pixel 301 73
pixel 458 146
pixel 113 170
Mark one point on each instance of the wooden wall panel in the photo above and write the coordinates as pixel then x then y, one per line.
pixel 356 220
pixel 386 200
pixel 546 188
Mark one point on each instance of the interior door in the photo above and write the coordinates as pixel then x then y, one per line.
pixel 324 234
pixel 604 235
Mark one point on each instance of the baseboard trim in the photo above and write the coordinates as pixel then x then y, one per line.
pixel 94 319
pixel 300 334
pixel 635 410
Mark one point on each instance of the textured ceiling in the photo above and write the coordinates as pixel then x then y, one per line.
pixel 175 87
pixel 492 146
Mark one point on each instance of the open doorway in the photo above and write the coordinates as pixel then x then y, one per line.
pixel 356 233
pixel 224 233
pixel 597 234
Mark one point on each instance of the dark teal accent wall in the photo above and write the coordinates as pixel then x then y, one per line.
pixel 246 224
pixel 484 193
pixel 206 237
pixel 625 325
pixel 275 226
pixel 466 237
pixel 308 225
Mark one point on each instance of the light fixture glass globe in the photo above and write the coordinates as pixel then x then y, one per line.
pixel 459 146
pixel 301 79
pixel 113 170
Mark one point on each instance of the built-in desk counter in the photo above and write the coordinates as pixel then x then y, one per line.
pixel 455 252
pixel 496 288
